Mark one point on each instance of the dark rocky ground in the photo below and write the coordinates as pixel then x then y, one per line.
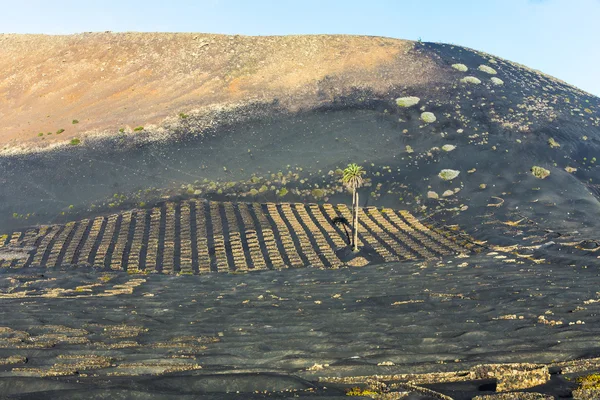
pixel 290 330
pixel 450 316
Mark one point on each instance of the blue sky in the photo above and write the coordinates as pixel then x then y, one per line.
pixel 558 37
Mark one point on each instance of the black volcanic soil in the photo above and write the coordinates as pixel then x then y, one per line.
pixel 423 317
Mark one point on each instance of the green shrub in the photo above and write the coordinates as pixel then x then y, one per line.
pixel 318 193
pixel 282 192
pixel 487 70
pixel 41 134
pixel 58 132
pixel 539 172
pixel 460 67
pixel 407 101
pixel 448 174
pixel 139 128
pixel 497 81
pixel 553 143
pixel 122 130
pixel 183 116
pixel 75 121
pixel 74 142
pixel 428 117
pixel 470 79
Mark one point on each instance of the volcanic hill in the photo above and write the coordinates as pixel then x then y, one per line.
pixel 135 165
pixel 102 121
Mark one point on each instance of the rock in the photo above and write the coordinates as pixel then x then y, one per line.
pixel 447 193
pixel 432 195
pixel 470 79
pixel 407 101
pixel 497 81
pixel 460 67
pixel 487 70
pixel 448 174
pixel 482 186
pixel 539 172
pixel 513 376
pixel 448 147
pixel 428 117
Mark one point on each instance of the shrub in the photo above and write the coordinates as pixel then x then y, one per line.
pixel 460 67
pixel 553 143
pixel 539 172
pixel 282 192
pixel 428 117
pixel 407 101
pixel 139 128
pixel 74 142
pixel 183 116
pixel 75 121
pixel 318 193
pixel 470 79
pixel 41 134
pixel 448 147
pixel 448 174
pixel 58 132
pixel 497 81
pixel 122 130
pixel 487 70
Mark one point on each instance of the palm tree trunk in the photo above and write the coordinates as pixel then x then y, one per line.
pixel 351 242
pixel 355 223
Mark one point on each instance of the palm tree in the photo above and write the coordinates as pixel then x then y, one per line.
pixel 353 179
pixel 343 221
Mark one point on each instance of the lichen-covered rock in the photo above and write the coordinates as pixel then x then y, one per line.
pixel 448 174
pixel 471 80
pixel 409 149
pixel 428 117
pixel 432 195
pixel 482 186
pixel 448 193
pixel 460 67
pixel 448 147
pixel 570 169
pixel 515 396
pixel 513 376
pixel 487 70
pixel 497 81
pixel 407 101
pixel 539 172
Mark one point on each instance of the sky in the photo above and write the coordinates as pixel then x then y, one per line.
pixel 557 37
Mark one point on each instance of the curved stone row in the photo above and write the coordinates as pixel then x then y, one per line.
pixel 198 236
